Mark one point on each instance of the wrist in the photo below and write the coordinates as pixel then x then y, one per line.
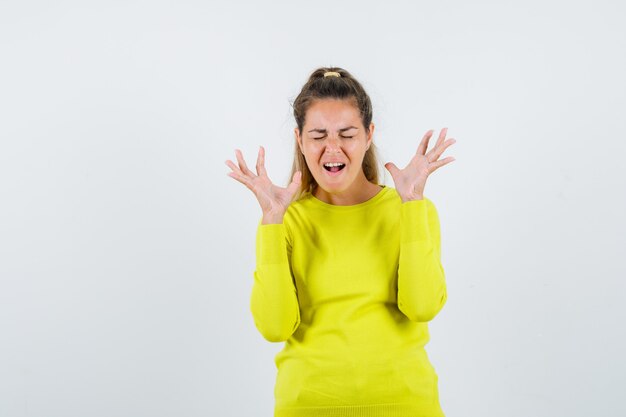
pixel 272 218
pixel 412 198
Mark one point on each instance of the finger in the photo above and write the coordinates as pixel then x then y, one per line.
pixel 238 175
pixel 392 168
pixel 241 178
pixel 296 182
pixel 297 177
pixel 234 167
pixel 435 153
pixel 242 163
pixel 442 136
pixel 438 164
pixel 421 149
pixel 260 162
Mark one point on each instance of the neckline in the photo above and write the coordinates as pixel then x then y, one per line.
pixel 319 203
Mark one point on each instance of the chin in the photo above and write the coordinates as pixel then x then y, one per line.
pixel 333 187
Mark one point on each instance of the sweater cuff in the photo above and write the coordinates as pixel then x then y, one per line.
pixel 273 243
pixel 414 221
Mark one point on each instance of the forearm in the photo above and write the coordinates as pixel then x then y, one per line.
pixel 422 289
pixel 274 303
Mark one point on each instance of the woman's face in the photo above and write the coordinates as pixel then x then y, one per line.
pixel 333 132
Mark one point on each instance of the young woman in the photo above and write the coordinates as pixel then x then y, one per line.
pixel 348 270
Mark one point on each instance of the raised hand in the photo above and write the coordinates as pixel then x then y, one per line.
pixel 273 200
pixel 411 181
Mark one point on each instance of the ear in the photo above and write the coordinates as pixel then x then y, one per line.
pixel 298 138
pixel 370 135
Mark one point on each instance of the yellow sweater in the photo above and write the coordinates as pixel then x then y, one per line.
pixel 351 289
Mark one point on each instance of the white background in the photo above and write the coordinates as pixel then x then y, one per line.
pixel 127 253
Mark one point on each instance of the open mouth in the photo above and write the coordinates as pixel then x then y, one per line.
pixel 335 167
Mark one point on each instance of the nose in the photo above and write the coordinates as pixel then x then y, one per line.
pixel 333 145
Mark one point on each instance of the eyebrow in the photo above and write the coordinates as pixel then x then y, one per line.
pixel 340 130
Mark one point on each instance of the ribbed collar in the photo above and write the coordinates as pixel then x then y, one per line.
pixel 316 202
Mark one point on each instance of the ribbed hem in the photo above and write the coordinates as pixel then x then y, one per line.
pixel 373 410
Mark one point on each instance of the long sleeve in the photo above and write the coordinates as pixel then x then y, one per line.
pixel 274 302
pixel 422 289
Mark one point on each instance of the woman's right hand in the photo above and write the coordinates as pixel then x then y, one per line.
pixel 273 200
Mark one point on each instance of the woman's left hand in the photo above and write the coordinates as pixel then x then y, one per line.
pixel 411 181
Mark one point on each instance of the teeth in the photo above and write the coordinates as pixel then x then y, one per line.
pixel 333 164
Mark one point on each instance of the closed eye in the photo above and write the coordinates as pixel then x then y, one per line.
pixel 344 137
